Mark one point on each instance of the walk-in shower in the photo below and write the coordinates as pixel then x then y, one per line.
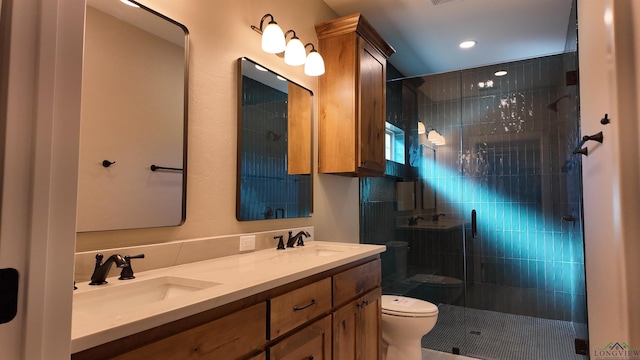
pixel 509 282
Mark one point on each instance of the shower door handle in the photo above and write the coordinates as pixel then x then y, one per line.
pixel 474 224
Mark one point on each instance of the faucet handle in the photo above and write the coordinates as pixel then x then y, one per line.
pixel 280 242
pixel 127 271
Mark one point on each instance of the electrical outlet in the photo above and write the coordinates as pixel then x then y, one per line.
pixel 247 243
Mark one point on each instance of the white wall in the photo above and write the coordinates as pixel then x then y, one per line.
pixel 608 83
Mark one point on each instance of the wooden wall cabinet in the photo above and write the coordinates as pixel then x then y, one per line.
pixel 352 97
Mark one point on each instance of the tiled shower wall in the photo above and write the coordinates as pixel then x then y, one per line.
pixel 509 157
pixel 268 191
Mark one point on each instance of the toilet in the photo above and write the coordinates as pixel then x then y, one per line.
pixel 404 321
pixel 437 289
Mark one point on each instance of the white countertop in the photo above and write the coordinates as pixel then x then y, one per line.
pixel 236 277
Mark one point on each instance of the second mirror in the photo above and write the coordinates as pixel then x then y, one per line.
pixel 274 145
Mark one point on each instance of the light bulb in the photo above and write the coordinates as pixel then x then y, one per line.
pixel 295 54
pixel 421 128
pixel 273 39
pixel 314 66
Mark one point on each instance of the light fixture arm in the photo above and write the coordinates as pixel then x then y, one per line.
pixel 313 48
pixel 259 29
pixel 294 35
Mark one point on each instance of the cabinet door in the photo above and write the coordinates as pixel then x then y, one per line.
pixel 369 330
pixel 356 328
pixel 372 109
pixel 311 343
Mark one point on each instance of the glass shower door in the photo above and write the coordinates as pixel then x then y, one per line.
pixel 508 158
pixel 525 294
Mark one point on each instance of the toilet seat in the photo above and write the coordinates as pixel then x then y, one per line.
pixel 407 307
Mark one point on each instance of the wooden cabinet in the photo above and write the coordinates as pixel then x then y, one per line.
pixel 334 314
pixel 351 98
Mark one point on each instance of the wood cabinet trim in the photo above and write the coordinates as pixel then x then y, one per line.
pixel 355 23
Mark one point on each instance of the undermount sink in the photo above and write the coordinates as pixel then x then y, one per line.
pixel 116 299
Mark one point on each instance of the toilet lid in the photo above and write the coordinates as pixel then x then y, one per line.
pixel 406 306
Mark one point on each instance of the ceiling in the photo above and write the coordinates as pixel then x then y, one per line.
pixel 426 33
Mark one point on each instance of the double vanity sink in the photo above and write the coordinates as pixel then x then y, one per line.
pixel 121 308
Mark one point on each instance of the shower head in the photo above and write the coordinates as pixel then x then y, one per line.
pixel 554 105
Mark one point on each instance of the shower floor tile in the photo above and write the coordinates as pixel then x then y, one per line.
pixel 498 336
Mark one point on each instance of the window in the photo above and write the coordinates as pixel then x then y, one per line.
pixel 394 143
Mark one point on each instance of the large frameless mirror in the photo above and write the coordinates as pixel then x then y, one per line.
pixel 274 145
pixel 132 166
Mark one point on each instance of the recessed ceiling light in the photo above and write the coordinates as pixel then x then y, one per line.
pixel 500 73
pixel 468 44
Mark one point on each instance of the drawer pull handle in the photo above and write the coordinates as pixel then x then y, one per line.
pixel 363 304
pixel 296 308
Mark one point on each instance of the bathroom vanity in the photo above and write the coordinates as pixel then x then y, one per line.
pixel 316 301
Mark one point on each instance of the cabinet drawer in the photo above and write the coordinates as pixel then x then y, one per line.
pixel 312 342
pixel 354 282
pixel 296 307
pixel 231 337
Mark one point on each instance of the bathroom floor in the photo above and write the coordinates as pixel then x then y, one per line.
pixel 428 354
pixel 499 336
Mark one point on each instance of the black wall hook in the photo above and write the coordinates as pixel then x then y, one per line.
pixel 583 151
pixel 107 163
pixel 605 120
pixel 595 137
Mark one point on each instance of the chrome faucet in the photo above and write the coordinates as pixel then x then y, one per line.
pixel 297 238
pixel 436 217
pixel 102 269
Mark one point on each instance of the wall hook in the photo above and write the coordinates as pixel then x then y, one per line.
pixel 605 120
pixel 595 137
pixel 583 151
pixel 107 163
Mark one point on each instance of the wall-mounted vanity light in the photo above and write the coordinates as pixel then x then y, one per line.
pixel 274 42
pixel 432 135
